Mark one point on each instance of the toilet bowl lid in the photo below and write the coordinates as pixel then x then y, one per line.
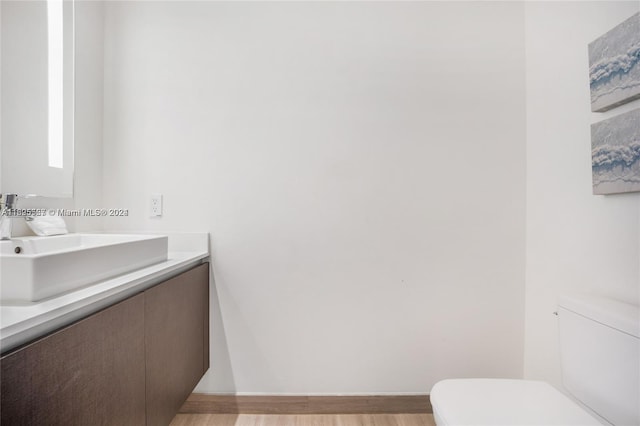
pixel 505 402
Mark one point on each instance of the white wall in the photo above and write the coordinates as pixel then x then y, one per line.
pixel 361 170
pixel 575 241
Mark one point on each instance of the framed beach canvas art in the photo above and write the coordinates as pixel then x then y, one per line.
pixel 614 66
pixel 615 154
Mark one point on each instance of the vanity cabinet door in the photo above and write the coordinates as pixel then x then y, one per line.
pixel 89 373
pixel 176 341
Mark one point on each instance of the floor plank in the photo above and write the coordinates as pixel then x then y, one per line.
pixel 303 420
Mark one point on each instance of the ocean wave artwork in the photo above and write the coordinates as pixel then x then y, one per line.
pixel 614 66
pixel 615 154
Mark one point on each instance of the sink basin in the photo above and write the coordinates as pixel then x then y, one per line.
pixel 35 268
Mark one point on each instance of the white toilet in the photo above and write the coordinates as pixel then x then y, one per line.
pixel 600 359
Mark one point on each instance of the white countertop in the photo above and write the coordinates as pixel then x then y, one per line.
pixel 22 323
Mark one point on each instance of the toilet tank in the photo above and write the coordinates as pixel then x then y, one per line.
pixel 600 356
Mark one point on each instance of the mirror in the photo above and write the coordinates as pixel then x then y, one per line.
pixel 37 97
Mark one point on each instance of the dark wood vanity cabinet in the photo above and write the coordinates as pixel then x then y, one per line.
pixel 133 363
pixel 89 373
pixel 176 342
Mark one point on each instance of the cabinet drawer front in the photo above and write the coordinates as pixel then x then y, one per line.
pixel 176 341
pixel 89 373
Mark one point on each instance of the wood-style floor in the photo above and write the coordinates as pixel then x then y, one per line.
pixel 303 420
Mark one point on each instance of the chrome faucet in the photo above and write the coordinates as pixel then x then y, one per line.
pixel 7 203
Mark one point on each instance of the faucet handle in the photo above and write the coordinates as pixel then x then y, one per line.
pixel 8 201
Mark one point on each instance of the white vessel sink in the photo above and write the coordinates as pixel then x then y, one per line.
pixel 35 268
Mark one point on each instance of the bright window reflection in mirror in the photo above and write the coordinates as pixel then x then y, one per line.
pixel 56 85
